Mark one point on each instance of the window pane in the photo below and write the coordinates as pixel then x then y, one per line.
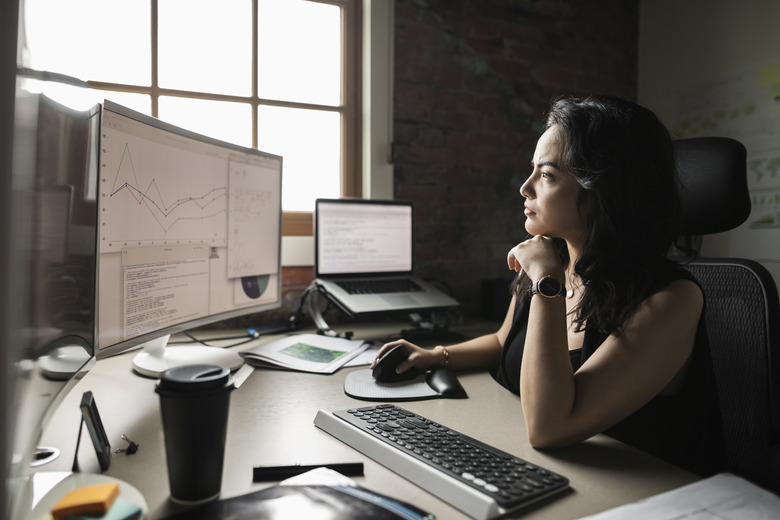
pixel 299 51
pixel 310 142
pixel 90 39
pixel 206 46
pixel 138 102
pixel 231 122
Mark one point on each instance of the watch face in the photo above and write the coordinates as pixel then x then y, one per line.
pixel 550 287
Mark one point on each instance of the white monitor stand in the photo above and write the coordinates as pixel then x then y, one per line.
pixel 157 356
pixel 64 362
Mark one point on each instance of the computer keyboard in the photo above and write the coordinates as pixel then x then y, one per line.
pixel 480 480
pixel 378 285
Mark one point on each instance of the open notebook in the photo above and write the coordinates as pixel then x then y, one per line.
pixel 364 254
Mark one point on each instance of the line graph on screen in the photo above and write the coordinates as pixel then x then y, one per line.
pixel 154 194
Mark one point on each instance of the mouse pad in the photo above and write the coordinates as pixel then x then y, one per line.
pixel 439 383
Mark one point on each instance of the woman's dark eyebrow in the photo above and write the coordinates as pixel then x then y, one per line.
pixel 546 163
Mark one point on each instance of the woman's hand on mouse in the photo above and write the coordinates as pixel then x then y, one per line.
pixel 419 357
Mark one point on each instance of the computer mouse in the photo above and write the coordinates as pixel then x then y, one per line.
pixel 384 371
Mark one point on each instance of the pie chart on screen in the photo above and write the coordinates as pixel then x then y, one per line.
pixel 255 286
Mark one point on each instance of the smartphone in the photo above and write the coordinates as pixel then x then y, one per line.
pixel 91 416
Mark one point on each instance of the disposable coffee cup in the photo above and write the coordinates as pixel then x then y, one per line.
pixel 194 403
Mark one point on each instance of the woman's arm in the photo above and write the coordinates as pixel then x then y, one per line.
pixel 484 351
pixel 481 352
pixel 562 407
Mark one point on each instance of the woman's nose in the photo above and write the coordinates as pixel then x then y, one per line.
pixel 525 189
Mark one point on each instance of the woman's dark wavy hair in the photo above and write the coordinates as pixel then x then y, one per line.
pixel 622 158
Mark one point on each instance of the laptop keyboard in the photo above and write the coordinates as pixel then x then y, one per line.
pixel 379 286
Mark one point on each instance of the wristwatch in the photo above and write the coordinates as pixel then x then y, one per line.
pixel 548 287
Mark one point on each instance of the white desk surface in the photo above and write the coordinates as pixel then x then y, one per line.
pixel 271 423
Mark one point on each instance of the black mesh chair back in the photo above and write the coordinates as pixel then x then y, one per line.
pixel 742 310
pixel 742 325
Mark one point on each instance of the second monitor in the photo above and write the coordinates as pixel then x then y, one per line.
pixel 189 233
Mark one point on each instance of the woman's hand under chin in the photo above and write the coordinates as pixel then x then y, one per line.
pixel 537 256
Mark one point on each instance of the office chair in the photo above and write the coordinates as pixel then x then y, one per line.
pixel 742 310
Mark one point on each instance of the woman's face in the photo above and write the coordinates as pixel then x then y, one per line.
pixel 551 194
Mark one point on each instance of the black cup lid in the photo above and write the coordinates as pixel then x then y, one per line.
pixel 194 378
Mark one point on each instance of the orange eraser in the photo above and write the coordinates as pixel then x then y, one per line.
pixel 96 499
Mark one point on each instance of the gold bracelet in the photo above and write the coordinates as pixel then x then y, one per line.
pixel 447 359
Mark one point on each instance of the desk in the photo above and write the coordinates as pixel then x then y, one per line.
pixel 271 423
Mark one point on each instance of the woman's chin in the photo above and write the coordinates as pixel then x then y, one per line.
pixel 532 229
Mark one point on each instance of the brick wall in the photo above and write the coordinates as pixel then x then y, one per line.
pixel 473 79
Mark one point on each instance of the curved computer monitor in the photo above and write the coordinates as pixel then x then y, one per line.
pixel 48 305
pixel 189 233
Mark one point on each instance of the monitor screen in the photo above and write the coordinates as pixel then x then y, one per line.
pixel 355 236
pixel 189 232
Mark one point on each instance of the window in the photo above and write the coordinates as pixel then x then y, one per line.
pixel 279 75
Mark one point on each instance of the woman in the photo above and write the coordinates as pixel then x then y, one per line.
pixel 604 333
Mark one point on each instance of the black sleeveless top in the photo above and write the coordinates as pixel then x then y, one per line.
pixel 684 429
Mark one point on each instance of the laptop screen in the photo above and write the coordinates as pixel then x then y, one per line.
pixel 362 237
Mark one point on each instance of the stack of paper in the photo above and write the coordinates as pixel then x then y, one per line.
pixel 722 497
pixel 306 353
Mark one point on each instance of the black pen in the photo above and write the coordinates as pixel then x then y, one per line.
pixel 271 473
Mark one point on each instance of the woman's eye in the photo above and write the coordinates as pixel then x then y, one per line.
pixel 548 176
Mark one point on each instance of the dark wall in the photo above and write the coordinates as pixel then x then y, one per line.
pixel 473 79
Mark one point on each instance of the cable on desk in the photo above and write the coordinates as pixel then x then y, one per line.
pixel 316 315
pixel 295 321
pixel 251 335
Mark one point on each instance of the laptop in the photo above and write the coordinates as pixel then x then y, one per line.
pixel 364 255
